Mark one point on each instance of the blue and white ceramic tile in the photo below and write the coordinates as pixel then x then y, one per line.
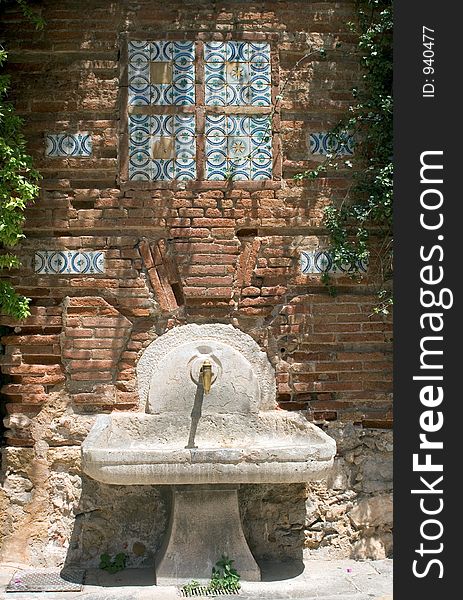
pixel 183 95
pixel 216 158
pixel 238 149
pixel 324 143
pixel 140 165
pixel 163 169
pixel 162 94
pixel 139 88
pixel 258 94
pixel 216 147
pixel 259 52
pixel 238 125
pixel 139 132
pixel 216 155
pixel 236 95
pixel 216 122
pixel 185 147
pixel 139 147
pixel 183 53
pixel 321 261
pixel 161 124
pixel 238 73
pixel 183 79
pixel 215 73
pixel 215 81
pixel 185 169
pixel 184 127
pixel 215 52
pixel 216 96
pixel 139 97
pixel 139 53
pixel 161 51
pixel 260 128
pixel 69 262
pixel 261 163
pixel 237 51
pixel 179 91
pixel 68 144
pixel 260 69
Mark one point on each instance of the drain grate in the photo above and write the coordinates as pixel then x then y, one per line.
pixel 205 592
pixel 70 580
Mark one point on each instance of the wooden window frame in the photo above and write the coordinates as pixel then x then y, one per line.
pixel 200 110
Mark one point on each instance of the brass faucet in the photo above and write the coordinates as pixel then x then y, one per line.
pixel 206 376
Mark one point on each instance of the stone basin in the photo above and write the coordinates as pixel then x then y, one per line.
pixel 271 447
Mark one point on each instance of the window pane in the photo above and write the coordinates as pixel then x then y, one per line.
pixel 162 147
pixel 161 73
pixel 238 147
pixel 237 74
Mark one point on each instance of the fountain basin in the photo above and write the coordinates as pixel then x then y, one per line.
pixel 210 424
pixel 270 447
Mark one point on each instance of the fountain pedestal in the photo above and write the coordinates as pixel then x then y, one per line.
pixel 205 523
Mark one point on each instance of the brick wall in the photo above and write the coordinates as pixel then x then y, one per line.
pixel 186 254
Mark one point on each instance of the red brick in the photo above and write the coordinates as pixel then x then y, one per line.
pixel 81 365
pixel 92 376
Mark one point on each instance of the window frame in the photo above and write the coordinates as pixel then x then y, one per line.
pixel 199 109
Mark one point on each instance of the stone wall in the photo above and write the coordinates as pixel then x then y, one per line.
pixel 161 257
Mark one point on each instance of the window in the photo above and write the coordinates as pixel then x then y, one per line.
pixel 199 111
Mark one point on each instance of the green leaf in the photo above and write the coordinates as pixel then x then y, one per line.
pixel 18 183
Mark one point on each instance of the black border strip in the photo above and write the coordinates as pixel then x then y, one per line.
pixel 429 122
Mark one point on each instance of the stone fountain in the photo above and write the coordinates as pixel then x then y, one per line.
pixel 210 425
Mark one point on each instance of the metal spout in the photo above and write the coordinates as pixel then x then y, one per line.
pixel 206 376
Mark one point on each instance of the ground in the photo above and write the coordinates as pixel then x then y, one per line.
pixel 320 579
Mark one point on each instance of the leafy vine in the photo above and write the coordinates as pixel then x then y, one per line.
pixel 360 227
pixel 18 183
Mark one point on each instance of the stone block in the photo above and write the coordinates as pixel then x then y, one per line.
pixel 376 511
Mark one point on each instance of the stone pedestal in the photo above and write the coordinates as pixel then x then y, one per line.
pixel 205 523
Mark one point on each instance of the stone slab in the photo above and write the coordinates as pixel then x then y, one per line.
pixel 272 447
pixel 243 369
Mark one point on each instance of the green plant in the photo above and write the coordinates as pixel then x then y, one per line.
pixel 113 565
pixel 224 576
pixel 189 588
pixel 365 214
pixel 18 182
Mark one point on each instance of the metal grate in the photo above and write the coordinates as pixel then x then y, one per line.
pixel 205 592
pixel 70 580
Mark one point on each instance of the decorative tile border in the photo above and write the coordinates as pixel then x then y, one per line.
pixel 68 144
pixel 324 143
pixel 69 262
pixel 321 261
